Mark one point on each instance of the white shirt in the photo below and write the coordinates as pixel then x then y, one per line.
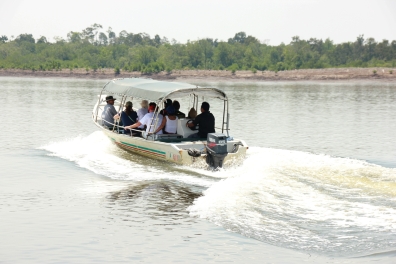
pixel 141 113
pixel 171 125
pixel 146 120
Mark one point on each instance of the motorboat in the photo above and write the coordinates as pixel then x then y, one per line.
pixel 214 151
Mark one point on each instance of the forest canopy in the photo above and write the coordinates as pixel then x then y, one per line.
pixel 93 48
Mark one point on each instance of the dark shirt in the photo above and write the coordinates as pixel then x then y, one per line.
pixel 206 122
pixel 180 114
pixel 128 120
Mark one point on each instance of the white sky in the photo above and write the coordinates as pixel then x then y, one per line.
pixel 273 20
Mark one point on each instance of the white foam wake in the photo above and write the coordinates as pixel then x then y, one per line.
pixel 98 154
pixel 305 201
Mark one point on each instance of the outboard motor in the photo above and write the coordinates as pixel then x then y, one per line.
pixel 216 150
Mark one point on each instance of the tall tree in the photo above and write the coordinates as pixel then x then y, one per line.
pixel 111 35
pixel 25 38
pixel 3 39
pixel 103 39
pixel 74 37
pixel 42 39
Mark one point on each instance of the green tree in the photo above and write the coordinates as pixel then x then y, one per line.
pixel 89 33
pixel 103 40
pixel 157 40
pixel 239 37
pixel 74 37
pixel 111 35
pixel 207 48
pixel 370 47
pixel 146 54
pixel 3 39
pixel 42 39
pixel 195 54
pixel 223 54
pixel 25 38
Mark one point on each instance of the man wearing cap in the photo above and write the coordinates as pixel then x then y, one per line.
pixel 206 122
pixel 109 112
pixel 147 120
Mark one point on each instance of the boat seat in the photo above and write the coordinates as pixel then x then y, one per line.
pixel 182 129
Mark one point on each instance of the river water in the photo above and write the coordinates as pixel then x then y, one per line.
pixel 318 184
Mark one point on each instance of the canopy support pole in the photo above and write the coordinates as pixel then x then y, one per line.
pixel 97 108
pixel 224 110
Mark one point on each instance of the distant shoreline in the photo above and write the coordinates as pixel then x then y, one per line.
pixel 331 74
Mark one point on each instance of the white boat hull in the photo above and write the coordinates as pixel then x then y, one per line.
pixel 173 152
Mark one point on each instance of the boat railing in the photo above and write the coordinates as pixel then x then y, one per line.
pixel 117 128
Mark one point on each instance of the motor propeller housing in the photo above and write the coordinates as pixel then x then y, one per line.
pixel 216 150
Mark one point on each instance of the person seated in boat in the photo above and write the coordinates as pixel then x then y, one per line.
pixel 128 116
pixel 206 122
pixel 142 112
pixel 167 103
pixel 109 112
pixel 147 120
pixel 169 122
pixel 192 113
pixel 176 105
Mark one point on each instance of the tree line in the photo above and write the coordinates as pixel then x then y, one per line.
pixel 93 49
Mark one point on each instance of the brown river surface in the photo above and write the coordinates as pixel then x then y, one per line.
pixel 318 184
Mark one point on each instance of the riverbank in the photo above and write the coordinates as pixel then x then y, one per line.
pixel 387 74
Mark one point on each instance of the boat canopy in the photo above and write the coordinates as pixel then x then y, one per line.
pixel 153 90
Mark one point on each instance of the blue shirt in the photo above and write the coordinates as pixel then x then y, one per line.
pixel 128 120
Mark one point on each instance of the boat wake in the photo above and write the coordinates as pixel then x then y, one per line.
pixel 304 201
pixel 316 203
pixel 99 155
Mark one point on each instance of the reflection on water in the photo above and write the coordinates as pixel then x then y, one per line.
pixel 155 199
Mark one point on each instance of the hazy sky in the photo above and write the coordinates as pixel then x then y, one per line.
pixel 273 20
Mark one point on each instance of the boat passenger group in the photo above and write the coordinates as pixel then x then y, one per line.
pixel 142 119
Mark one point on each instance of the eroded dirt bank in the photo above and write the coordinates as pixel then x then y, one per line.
pixel 387 74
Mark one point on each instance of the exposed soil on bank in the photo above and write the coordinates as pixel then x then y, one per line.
pixel 387 74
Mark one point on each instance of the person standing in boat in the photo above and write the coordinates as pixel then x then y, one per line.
pixel 109 112
pixel 128 116
pixel 169 122
pixel 205 120
pixel 149 120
